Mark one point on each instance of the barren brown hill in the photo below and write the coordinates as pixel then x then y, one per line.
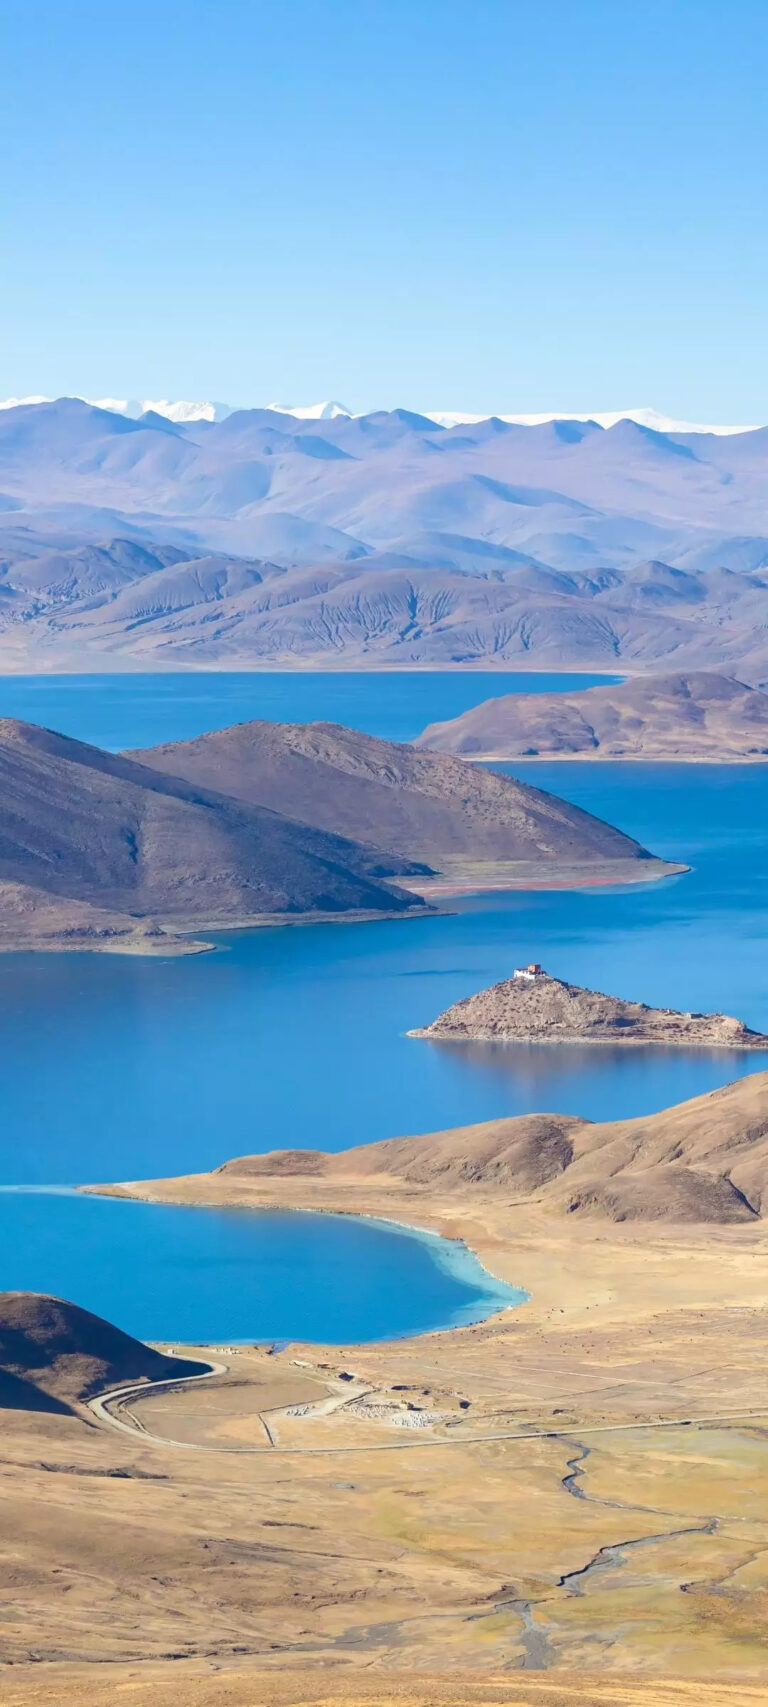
pixel 85 828
pixel 415 805
pixel 533 1007
pixel 703 1160
pixel 54 1355
pixel 700 715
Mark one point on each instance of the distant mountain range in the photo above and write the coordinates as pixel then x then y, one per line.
pixel 320 537
pixel 329 411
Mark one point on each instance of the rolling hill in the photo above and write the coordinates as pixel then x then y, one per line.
pixel 705 1160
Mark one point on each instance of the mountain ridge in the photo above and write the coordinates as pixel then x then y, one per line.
pixel 247 826
pixel 412 805
pixel 329 410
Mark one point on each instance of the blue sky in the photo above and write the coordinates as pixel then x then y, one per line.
pixel 492 205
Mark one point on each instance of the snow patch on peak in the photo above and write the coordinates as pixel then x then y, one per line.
pixel 133 407
pixel 182 412
pixel 311 411
pixel 651 418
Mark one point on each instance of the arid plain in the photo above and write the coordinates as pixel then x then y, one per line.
pixel 566 1503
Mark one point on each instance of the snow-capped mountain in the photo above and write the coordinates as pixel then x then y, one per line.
pixel 642 417
pixel 133 408
pixel 183 412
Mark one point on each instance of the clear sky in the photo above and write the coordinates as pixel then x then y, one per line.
pixel 479 204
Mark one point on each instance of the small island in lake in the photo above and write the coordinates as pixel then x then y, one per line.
pixel 534 1007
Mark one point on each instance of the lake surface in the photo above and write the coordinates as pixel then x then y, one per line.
pixel 142 710
pixel 122 1068
pixel 216 1275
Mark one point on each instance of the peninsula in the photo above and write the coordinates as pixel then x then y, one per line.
pixel 700 716
pixel 705 1160
pixel 267 824
pixel 534 1007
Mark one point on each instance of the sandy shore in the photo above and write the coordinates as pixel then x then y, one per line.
pixel 595 1277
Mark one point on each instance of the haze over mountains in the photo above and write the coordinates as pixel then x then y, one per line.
pixel 385 539
pixel 211 411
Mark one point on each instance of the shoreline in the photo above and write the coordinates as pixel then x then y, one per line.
pixel 499 1230
pixel 577 1042
pixel 180 941
pixel 604 758
pixel 319 667
pixel 434 1235
pixel 619 1407
pixel 529 877
pixel 181 935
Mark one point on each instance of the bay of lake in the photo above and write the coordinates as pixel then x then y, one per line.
pixel 116 1068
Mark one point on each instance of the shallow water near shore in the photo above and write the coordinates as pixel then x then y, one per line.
pixel 123 1068
pixel 219 1275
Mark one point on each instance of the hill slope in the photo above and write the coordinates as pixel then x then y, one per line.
pixel 705 1160
pixel 700 715
pixel 90 827
pixel 415 805
pixel 54 1354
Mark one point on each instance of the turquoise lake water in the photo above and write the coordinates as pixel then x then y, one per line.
pixel 118 1068
pixel 218 1275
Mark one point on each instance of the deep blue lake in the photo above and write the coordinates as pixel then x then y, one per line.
pixel 117 1068
pixel 142 710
